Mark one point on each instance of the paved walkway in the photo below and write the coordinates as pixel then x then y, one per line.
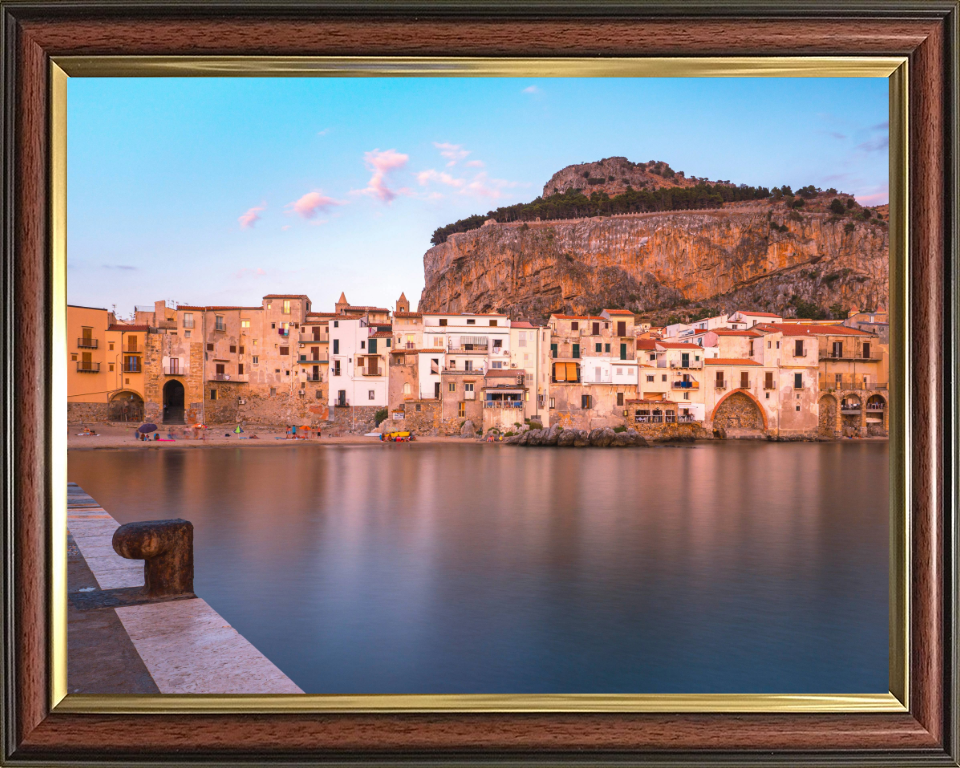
pixel 182 646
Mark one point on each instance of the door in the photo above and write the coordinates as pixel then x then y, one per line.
pixel 173 402
pixel 684 359
pixel 436 390
pixel 576 351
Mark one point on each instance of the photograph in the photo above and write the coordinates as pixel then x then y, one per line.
pixel 479 385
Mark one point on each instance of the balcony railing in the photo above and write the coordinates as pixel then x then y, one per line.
pixel 503 403
pixel 126 368
pixel 87 367
pixel 174 370
pixel 85 343
pixel 832 385
pixel 668 418
pixel 475 348
pixel 686 385
pixel 315 360
pixel 241 377
pixel 692 364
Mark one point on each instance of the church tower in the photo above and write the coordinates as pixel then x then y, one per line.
pixel 402 304
pixel 341 306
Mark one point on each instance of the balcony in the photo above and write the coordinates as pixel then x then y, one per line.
pixel 128 368
pixel 476 349
pixel 174 370
pixel 234 377
pixel 311 377
pixel 686 385
pixel 848 382
pixel 88 367
pixel 658 418
pixel 476 371
pixel 87 343
pixel 503 404
pixel 309 360
pixel 691 365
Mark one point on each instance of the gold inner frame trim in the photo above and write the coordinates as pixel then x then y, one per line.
pixel 893 68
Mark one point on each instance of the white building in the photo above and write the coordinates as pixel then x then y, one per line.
pixel 461 343
pixel 358 363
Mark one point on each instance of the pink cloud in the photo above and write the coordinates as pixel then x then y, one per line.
pixel 425 177
pixel 474 163
pixel 252 216
pixel 312 202
pixel 452 152
pixel 382 164
pixel 250 272
pixel 483 186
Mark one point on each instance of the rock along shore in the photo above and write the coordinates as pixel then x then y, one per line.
pixel 579 438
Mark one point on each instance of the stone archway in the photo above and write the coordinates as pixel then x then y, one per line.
pixel 851 414
pixel 739 411
pixel 125 406
pixel 876 417
pixel 829 412
pixel 173 397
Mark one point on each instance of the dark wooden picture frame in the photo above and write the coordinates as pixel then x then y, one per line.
pixel 924 32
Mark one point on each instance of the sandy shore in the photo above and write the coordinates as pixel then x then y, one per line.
pixel 109 436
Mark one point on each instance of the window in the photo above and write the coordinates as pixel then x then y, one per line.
pixel 798 348
pixel 417 407
pixel 768 345
pixel 273 391
pixel 213 394
pixel 462 410
pixel 453 364
pixel 719 380
pixel 443 321
pixel 284 350
pixel 220 369
pixel 585 401
pixel 798 381
pixel 744 380
pixel 254 342
pixel 493 323
pixel 468 387
pixel 598 347
pixel 371 394
pixel 553 350
pixel 336 367
pixel 553 402
pixel 451 387
pixel 621 328
pixel 233 349
pixel 522 339
pixel 185 333
pixel 286 306
pixel 111 366
pixel 388 341
pixel 336 346
pixel 244 323
pixel 664 377
pixel 576 351
pixel 751 348
pixel 838 349
pixel 686 395
pixel 566 372
pixel 778 345
pixel 866 349
pixel 596 329
pixel 619 398
pixel 219 324
pixel 336 323
pixel 768 380
pixel 241 350
pixel 574 326
pixel 467 365
pixel 240 369
pixel 273 326
pixel 319 395
pixel 131 364
pixel 438 341
pixel 111 346
pixel 406 388
pixel 606 347
pixel 188 319
pixel 209 347
pixel 471 321
pixel 497 364
pixel 256 360
pixel 363 345
pixel 650 379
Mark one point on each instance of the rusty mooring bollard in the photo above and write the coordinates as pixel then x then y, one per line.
pixel 166 547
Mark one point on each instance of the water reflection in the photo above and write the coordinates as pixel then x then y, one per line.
pixel 465 568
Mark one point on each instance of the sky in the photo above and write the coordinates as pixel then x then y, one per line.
pixel 221 190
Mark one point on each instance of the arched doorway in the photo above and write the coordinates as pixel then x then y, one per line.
pixel 125 406
pixel 828 416
pixel 851 409
pixel 876 415
pixel 173 402
pixel 738 411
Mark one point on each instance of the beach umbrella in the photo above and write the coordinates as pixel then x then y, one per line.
pixel 146 428
pixel 199 426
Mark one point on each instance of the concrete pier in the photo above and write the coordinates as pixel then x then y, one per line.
pixel 182 646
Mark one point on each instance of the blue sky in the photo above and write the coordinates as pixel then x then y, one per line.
pixel 218 191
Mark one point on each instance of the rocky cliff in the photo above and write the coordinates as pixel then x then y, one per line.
pixel 762 256
pixel 614 174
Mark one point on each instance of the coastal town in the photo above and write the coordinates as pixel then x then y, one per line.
pixel 360 368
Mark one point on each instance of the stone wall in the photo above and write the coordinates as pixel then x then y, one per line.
pixel 829 411
pixel 283 405
pixel 83 413
pixel 667 432
pixel 354 419
pixel 427 420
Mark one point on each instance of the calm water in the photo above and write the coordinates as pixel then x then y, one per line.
pixel 750 567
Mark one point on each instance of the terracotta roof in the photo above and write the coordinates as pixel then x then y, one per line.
pixel 322 314
pixel 730 361
pixel 618 312
pixel 677 345
pixel 798 329
pixel 211 309
pixel 503 372
pixel 647 343
pixel 381 335
pixel 733 332
pixel 407 314
pixel 116 327
pixel 286 296
pixel 579 317
pixel 757 314
pixel 521 324
pixel 358 307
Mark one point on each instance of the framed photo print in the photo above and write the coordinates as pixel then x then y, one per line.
pixel 404 383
